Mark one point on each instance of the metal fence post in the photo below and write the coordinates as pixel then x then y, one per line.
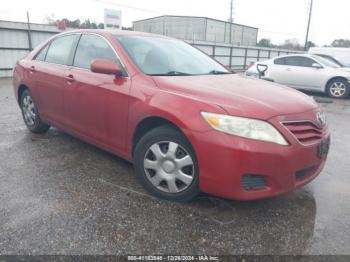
pixel 230 62
pixel 245 58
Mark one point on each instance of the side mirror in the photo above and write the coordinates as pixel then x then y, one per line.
pixel 104 66
pixel 317 66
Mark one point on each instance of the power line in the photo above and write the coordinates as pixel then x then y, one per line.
pixel 131 7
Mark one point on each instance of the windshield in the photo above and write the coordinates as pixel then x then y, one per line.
pixel 326 62
pixel 164 56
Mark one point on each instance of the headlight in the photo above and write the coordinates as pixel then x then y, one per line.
pixel 244 127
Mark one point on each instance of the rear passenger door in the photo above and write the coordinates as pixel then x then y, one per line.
pixel 48 70
pixel 96 105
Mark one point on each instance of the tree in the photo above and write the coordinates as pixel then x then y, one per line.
pixel 50 19
pixel 310 44
pixel 265 42
pixel 341 43
pixel 87 24
pixel 292 44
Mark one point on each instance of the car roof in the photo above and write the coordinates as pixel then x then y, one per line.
pixel 293 55
pixel 115 32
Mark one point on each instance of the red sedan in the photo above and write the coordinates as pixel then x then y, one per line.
pixel 186 122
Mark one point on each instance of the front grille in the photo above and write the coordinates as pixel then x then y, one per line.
pixel 305 172
pixel 305 131
pixel 253 182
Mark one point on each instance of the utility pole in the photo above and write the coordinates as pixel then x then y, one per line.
pixel 308 25
pixel 29 33
pixel 231 21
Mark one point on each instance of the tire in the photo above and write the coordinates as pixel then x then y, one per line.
pixel 338 88
pixel 30 114
pixel 166 165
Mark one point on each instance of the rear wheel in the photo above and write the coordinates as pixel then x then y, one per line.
pixel 30 114
pixel 166 164
pixel 338 88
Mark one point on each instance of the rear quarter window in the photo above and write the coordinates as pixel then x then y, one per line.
pixel 40 56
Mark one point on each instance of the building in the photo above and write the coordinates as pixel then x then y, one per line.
pixel 199 29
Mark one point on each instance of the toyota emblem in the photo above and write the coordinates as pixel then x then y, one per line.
pixel 321 118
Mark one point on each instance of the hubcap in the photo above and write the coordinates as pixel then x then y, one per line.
pixel 28 108
pixel 338 89
pixel 169 167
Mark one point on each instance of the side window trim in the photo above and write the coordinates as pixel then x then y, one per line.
pixel 73 50
pixel 125 72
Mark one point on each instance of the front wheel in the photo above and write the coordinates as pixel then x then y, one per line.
pixel 30 114
pixel 338 88
pixel 166 165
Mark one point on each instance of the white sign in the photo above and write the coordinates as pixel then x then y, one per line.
pixel 112 19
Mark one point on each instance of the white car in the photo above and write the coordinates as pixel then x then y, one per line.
pixel 309 72
pixel 340 56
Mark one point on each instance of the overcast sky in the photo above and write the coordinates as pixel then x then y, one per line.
pixel 276 19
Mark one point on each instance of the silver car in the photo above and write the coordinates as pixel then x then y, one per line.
pixel 309 72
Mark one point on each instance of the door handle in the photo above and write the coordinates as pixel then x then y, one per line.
pixel 32 69
pixel 69 78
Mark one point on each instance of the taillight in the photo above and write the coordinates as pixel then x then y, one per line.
pixel 249 66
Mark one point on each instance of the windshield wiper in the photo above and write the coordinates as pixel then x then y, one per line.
pixel 172 73
pixel 216 72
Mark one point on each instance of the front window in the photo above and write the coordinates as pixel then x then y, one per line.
pixel 92 47
pixel 163 56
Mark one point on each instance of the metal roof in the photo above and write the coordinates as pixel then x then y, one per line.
pixel 183 16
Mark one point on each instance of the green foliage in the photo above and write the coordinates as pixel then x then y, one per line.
pixel 265 42
pixel 87 24
pixel 341 43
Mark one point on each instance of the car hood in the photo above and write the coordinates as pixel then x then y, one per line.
pixel 238 95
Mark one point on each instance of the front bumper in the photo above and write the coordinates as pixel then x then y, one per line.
pixel 225 159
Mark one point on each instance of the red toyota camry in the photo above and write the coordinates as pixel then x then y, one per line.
pixel 185 121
